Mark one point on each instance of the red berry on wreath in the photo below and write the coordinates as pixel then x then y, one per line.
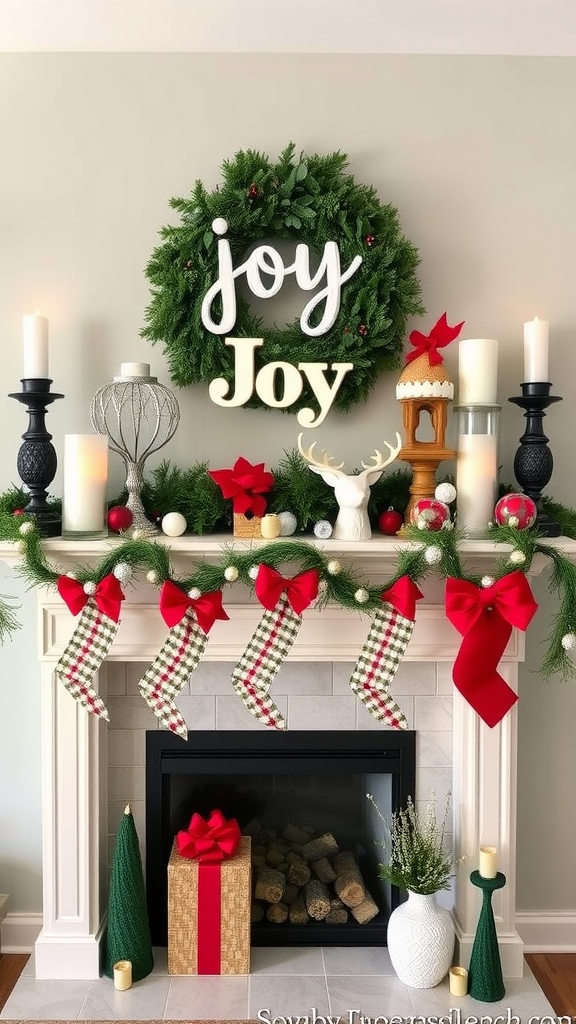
pixel 119 518
pixel 363 330
pixel 18 512
pixel 369 239
pixel 253 192
pixel 390 521
pixel 517 510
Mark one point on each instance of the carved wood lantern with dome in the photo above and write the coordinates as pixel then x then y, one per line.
pixel 425 387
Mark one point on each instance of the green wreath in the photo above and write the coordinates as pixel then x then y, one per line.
pixel 308 199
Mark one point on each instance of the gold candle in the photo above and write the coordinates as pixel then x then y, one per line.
pixel 488 865
pixel 123 975
pixel 458 981
pixel 270 527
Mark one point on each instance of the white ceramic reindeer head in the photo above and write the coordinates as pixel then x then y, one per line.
pixel 351 492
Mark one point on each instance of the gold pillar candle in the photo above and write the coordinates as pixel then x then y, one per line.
pixel 270 527
pixel 488 862
pixel 458 981
pixel 123 975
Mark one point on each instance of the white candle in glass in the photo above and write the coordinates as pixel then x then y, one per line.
pixel 85 478
pixel 488 862
pixel 35 327
pixel 477 371
pixel 536 351
pixel 476 480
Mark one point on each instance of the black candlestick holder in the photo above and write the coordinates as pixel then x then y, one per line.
pixel 533 462
pixel 37 461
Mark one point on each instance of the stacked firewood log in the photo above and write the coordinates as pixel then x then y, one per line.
pixel 299 876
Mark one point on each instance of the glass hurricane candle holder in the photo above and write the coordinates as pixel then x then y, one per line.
pixel 477 466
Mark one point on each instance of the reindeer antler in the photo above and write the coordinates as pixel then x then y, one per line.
pixel 307 453
pixel 378 459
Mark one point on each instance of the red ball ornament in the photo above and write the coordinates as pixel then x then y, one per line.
pixel 429 514
pixel 253 192
pixel 18 512
pixel 119 518
pixel 516 510
pixel 390 521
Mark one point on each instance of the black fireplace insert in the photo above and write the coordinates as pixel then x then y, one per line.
pixel 314 780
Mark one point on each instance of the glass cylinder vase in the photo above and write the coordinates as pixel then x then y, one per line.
pixel 84 486
pixel 477 466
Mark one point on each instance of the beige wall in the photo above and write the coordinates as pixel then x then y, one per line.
pixel 478 155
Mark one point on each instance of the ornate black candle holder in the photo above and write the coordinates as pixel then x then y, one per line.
pixel 533 462
pixel 37 461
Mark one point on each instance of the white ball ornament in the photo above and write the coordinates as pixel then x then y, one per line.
pixel 361 595
pixel 569 641
pixel 89 588
pixel 323 529
pixel 231 573
pixel 513 521
pixel 71 575
pixel 122 572
pixel 26 528
pixel 194 593
pixel 288 523
pixel 517 557
pixel 445 492
pixel 219 226
pixel 487 581
pixel 253 571
pixel 334 567
pixel 174 524
pixel 433 554
pixel 152 576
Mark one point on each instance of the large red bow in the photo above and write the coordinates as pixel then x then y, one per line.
pixel 174 603
pixel 440 335
pixel 402 595
pixel 108 595
pixel 485 617
pixel 245 484
pixel 300 591
pixel 209 841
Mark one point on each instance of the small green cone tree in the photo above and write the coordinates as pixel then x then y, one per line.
pixel 128 932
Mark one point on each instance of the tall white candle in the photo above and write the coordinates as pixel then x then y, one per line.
pixel 35 328
pixel 477 371
pixel 476 480
pixel 488 862
pixel 85 477
pixel 536 351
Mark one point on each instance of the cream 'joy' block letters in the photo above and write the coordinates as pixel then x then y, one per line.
pixel 265 260
pixel 267 379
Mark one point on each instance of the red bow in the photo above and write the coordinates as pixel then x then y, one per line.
pixel 440 335
pixel 209 841
pixel 485 617
pixel 245 484
pixel 300 591
pixel 402 595
pixel 108 595
pixel 174 603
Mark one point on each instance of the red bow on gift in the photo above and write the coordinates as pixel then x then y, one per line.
pixel 108 595
pixel 402 595
pixel 485 617
pixel 440 335
pixel 174 603
pixel 209 841
pixel 300 591
pixel 245 484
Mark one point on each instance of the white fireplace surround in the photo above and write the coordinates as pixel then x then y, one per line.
pixel 74 755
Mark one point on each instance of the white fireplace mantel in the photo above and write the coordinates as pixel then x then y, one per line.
pixel 74 756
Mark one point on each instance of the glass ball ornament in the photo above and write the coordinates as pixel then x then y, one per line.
pixel 517 510
pixel 119 518
pixel 429 514
pixel 288 523
pixel 323 529
pixel 445 492
pixel 390 521
pixel 174 524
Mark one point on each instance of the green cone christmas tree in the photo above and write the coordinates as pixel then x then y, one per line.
pixel 128 932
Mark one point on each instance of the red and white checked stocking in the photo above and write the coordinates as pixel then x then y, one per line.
pixel 284 600
pixel 385 646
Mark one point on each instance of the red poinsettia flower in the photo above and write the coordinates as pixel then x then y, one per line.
pixel 245 484
pixel 440 335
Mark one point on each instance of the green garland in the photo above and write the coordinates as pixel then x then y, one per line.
pixel 306 199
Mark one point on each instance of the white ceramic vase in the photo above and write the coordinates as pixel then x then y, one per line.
pixel 421 941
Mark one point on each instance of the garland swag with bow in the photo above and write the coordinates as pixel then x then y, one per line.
pixel 484 609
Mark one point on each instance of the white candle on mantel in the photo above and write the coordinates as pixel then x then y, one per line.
pixel 476 480
pixel 488 862
pixel 84 484
pixel 477 371
pixel 536 351
pixel 458 981
pixel 35 328
pixel 134 369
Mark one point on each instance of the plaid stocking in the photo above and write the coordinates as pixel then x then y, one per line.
pixel 171 669
pixel 85 652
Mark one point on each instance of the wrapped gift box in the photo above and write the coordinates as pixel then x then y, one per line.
pixel 185 930
pixel 246 528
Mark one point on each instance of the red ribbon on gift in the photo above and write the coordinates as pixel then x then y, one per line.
pixel 440 335
pixel 245 484
pixel 402 595
pixel 301 590
pixel 485 617
pixel 108 595
pixel 209 842
pixel 175 602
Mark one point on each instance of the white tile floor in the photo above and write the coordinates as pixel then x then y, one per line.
pixel 336 981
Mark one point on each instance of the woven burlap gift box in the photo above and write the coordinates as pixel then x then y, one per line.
pixel 234 913
pixel 246 528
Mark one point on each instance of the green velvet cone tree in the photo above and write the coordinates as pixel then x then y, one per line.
pixel 128 932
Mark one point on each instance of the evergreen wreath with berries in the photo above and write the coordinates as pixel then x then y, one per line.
pixel 306 199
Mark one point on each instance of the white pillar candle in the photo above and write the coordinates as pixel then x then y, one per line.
pixel 458 977
pixel 35 327
pixel 270 526
pixel 476 480
pixel 477 371
pixel 134 369
pixel 85 477
pixel 536 351
pixel 123 975
pixel 488 862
